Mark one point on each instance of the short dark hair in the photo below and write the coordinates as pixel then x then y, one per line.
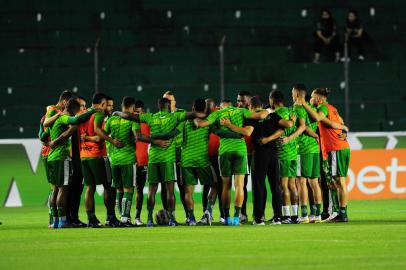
pixel 82 98
pixel 301 88
pixel 276 95
pixel 108 98
pixel 256 102
pixel 139 104
pixel 163 103
pixel 322 91
pixel 199 105
pixel 98 98
pixel 66 95
pixel 244 93
pixel 72 106
pixel 128 102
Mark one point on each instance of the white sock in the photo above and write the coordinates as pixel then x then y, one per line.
pixel 294 209
pixel 286 211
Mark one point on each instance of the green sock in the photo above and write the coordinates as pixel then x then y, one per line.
pixel 313 210
pixel 126 204
pixel 226 212
pixel 237 211
pixel 150 213
pixel 119 199
pixel 318 209
pixel 334 198
pixel 171 214
pixel 343 211
pixel 210 207
pixel 191 213
pixel 303 210
pixel 51 216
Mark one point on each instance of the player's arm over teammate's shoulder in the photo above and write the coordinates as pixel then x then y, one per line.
pixel 225 133
pixel 272 137
pixel 98 122
pixel 51 117
pixel 80 118
pixel 63 137
pixel 245 130
pixel 321 115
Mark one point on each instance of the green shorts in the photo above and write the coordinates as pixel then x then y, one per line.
pixel 308 165
pixel 161 172
pixel 123 175
pixel 60 172
pixel 191 174
pixel 45 162
pixel 94 171
pixel 339 162
pixel 287 168
pixel 233 163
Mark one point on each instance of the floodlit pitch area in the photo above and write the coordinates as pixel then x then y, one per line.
pixel 375 238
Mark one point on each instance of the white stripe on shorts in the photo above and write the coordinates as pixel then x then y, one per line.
pixel 176 174
pixel 298 168
pixel 66 172
pixel 333 157
pixel 134 175
pixel 218 161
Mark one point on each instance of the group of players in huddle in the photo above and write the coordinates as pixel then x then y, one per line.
pixel 301 150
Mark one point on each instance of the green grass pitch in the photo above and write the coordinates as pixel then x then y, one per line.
pixel 375 238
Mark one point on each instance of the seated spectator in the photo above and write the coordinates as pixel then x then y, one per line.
pixel 355 34
pixel 326 37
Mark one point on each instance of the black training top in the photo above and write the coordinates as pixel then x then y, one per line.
pixel 264 128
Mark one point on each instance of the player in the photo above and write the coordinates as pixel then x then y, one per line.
pixel 287 153
pixel 59 164
pixel 243 101
pixel 123 158
pixel 93 163
pixel 338 149
pixel 161 161
pixel 233 157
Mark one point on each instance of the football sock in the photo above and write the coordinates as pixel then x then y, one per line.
pixel 237 211
pixel 303 210
pixel 119 198
pixel 150 213
pixel 313 210
pixel 61 214
pixel 51 217
pixel 286 211
pixel 343 211
pixel 54 215
pixel 191 214
pixel 334 197
pixel 318 209
pixel 126 206
pixel 90 216
pixel 226 212
pixel 295 210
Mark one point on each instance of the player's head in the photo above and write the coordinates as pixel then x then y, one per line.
pixel 72 106
pixel 139 106
pixel 298 91
pixel 255 103
pixel 82 102
pixel 99 101
pixel 275 98
pixel 319 96
pixel 325 14
pixel 225 103
pixel 199 105
pixel 243 99
pixel 65 96
pixel 352 15
pixel 128 104
pixel 164 104
pixel 171 97
pixel 109 105
pixel 210 105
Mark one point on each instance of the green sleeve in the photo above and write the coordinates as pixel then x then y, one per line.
pixel 78 119
pixel 180 116
pixel 43 134
pixel 212 118
pixel 99 118
pixel 135 126
pixel 246 113
pixel 300 112
pixel 50 113
pixel 323 108
pixel 107 126
pixel 226 133
pixel 145 118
